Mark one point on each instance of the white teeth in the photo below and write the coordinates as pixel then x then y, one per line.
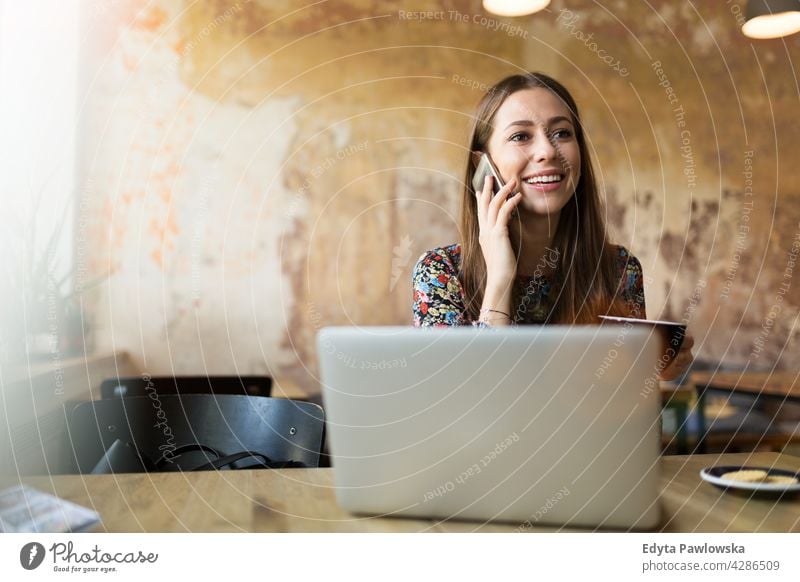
pixel 544 179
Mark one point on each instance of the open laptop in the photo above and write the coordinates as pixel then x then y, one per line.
pixel 531 425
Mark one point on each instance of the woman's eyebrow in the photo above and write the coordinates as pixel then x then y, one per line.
pixel 551 121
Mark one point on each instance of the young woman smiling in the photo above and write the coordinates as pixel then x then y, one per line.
pixel 538 250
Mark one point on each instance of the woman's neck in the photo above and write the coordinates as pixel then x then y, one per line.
pixel 533 235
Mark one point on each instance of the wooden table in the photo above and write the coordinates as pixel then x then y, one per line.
pixel 783 385
pixel 302 500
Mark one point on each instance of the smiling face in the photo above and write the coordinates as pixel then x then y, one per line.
pixel 534 141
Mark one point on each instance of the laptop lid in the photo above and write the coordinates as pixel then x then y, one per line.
pixel 546 424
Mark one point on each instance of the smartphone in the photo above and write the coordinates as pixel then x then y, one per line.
pixel 486 167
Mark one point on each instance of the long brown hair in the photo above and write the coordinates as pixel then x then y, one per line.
pixel 588 276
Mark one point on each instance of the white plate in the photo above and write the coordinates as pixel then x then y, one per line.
pixel 714 476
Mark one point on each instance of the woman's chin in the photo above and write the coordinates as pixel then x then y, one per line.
pixel 538 208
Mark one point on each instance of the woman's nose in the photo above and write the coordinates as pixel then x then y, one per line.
pixel 544 150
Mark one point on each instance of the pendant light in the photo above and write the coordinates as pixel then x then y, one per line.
pixel 514 7
pixel 771 18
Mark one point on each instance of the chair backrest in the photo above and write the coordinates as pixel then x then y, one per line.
pixel 281 429
pixel 128 386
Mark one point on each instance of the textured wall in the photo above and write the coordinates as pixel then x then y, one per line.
pixel 256 170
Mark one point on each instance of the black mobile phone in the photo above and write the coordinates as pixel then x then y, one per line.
pixel 485 167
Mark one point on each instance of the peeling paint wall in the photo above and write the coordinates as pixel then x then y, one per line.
pixel 695 147
pixel 255 170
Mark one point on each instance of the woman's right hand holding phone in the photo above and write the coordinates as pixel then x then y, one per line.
pixel 494 214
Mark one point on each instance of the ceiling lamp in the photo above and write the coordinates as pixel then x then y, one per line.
pixel 515 7
pixel 771 18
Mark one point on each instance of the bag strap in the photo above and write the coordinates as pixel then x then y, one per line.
pixel 160 463
pixel 222 461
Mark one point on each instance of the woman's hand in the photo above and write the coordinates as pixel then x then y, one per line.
pixel 494 212
pixel 682 360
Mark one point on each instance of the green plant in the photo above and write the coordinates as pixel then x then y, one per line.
pixel 40 302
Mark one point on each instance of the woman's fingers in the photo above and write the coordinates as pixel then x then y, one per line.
pixel 484 197
pixel 683 359
pixel 505 212
pixel 673 370
pixel 498 200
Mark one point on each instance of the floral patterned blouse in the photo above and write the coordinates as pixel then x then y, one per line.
pixel 439 297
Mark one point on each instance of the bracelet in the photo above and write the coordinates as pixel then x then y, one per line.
pixel 487 324
pixel 482 311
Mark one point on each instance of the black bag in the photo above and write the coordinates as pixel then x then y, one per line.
pixel 124 458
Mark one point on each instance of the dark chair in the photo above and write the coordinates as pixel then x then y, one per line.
pixel 747 428
pixel 161 426
pixel 125 387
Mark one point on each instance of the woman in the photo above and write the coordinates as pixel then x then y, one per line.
pixel 538 250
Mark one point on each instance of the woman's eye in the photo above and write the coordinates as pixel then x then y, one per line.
pixel 519 137
pixel 561 134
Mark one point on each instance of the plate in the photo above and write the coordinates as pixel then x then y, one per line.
pixel 714 475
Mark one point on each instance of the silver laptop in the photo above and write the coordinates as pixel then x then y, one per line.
pixel 529 425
